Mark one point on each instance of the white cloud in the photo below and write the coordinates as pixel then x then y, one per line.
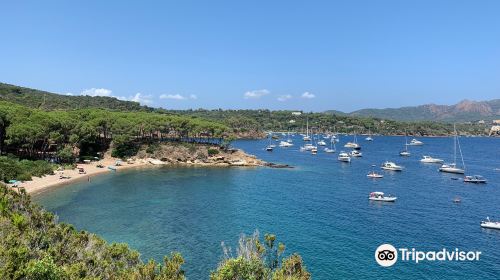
pixel 143 99
pixel 284 97
pixel 97 92
pixel 193 96
pixel 68 93
pixel 256 93
pixel 308 95
pixel 172 96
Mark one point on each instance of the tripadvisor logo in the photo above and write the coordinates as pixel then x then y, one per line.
pixel 387 255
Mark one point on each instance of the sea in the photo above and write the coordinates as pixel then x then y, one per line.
pixel 319 208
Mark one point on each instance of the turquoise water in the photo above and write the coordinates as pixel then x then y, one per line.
pixel 319 209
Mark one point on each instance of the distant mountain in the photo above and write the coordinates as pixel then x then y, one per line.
pixel 51 101
pixel 464 111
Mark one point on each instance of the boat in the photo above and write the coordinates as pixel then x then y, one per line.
pixel 314 151
pixel 477 179
pixel 270 146
pixel 285 144
pixel 405 152
pixel 429 159
pixel 389 165
pixel 307 137
pixel 308 147
pixel 321 143
pixel 379 196
pixel 457 200
pixel 489 224
pixel 353 145
pixel 112 168
pixel 344 157
pixel 369 138
pixel 355 153
pixel 374 175
pixel 415 142
pixel 452 167
pixel 332 147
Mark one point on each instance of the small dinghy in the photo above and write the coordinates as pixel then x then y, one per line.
pixel 490 224
pixel 379 196
pixel 476 179
pixel 374 175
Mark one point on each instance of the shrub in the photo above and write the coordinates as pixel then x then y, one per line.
pixel 213 152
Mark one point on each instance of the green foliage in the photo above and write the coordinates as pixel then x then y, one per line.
pixel 213 152
pixel 13 169
pixel 44 269
pixel 66 154
pixel 257 260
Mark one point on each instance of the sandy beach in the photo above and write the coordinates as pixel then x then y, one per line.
pixel 38 184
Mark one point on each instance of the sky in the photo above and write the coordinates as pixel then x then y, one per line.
pixel 301 55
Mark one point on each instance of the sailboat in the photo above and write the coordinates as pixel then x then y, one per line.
pixel 270 147
pixel 332 146
pixel 452 167
pixel 314 149
pixel 307 137
pixel 405 153
pixel 354 145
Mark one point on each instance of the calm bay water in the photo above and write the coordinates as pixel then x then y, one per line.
pixel 319 209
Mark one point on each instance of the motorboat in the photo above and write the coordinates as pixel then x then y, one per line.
pixel 452 167
pixel 374 175
pixel 389 165
pixel 328 150
pixel 489 224
pixel 269 148
pixel 429 159
pixel 344 157
pixel 355 153
pixel 415 142
pixel 379 196
pixel 369 138
pixel 314 151
pixel 321 143
pixel 477 179
pixel 285 144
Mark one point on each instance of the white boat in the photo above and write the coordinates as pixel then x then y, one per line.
pixel 332 147
pixel 344 157
pixel 321 143
pixel 307 137
pixel 308 147
pixel 285 144
pixel 355 153
pixel 490 224
pixel 374 175
pixel 452 167
pixel 477 179
pixel 314 151
pixel 415 142
pixel 270 146
pixel 405 152
pixel 353 145
pixel 389 165
pixel 429 159
pixel 379 196
pixel 369 138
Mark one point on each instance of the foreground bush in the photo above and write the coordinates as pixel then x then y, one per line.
pixel 13 169
pixel 255 260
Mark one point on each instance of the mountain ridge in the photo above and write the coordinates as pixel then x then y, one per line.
pixel 463 111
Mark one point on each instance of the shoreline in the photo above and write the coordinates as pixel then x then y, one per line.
pixel 41 184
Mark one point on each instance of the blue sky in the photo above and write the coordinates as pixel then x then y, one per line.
pixel 310 55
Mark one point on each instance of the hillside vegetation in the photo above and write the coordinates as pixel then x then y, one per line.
pixel 50 101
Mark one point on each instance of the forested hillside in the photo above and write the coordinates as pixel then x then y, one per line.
pixel 50 101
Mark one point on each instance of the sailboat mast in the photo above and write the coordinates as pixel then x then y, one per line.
pixel 455 145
